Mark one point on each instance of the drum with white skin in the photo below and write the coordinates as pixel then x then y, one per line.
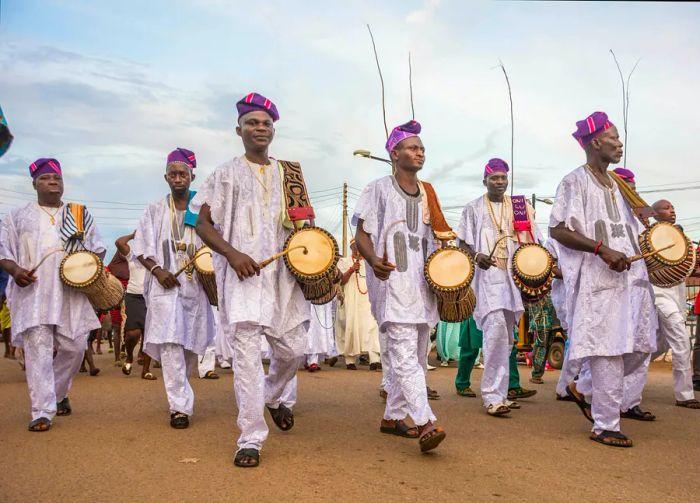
pixel 84 271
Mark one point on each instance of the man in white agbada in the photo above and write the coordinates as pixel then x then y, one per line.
pixel 47 315
pixel 609 301
pixel 242 220
pixel 396 241
pixel 356 329
pixel 179 319
pixel 672 334
pixel 320 339
pixel 487 223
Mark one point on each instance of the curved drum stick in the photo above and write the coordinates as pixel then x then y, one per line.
pixel 270 260
pixel 191 261
pixel 634 258
pixel 44 260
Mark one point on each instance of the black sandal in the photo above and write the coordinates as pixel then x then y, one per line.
pixel 399 428
pixel 283 417
pixel 638 414
pixel 40 424
pixel 608 438
pixel 179 420
pixel 580 401
pixel 250 454
pixel 430 436
pixel 63 407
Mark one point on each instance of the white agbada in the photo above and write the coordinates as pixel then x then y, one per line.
pixel 26 236
pixel 46 315
pixel 356 329
pixel 610 316
pixel 500 304
pixel 403 305
pixel 180 315
pixel 320 339
pixel 246 208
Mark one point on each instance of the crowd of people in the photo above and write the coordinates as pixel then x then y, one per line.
pixel 382 309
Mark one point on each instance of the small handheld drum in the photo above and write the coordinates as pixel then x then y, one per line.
pixel 315 269
pixel 533 271
pixel 449 272
pixel 204 265
pixel 84 271
pixel 669 267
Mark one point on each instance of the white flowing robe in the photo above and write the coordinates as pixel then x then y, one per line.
pixel 607 313
pixel 356 328
pixel 180 315
pixel 494 287
pixel 26 236
pixel 405 297
pixel 320 338
pixel 252 226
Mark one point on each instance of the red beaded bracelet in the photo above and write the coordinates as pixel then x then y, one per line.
pixel 597 248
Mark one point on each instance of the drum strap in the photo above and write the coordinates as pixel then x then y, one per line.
pixel 639 206
pixel 441 229
pixel 76 222
pixel 521 218
pixel 297 206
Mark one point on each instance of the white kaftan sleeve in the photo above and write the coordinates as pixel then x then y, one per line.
pixel 93 239
pixel 145 241
pixel 219 192
pixel 8 240
pixel 466 230
pixel 366 210
pixel 568 205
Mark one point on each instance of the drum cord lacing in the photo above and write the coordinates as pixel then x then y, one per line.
pixel 319 319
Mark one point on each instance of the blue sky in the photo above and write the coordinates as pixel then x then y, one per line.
pixel 109 88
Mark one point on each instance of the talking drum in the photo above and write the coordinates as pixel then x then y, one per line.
pixel 84 271
pixel 449 272
pixel 533 271
pixel 312 256
pixel 204 265
pixel 676 259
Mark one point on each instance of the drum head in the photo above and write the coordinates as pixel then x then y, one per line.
pixel 80 268
pixel 320 252
pixel 449 268
pixel 532 261
pixel 661 235
pixel 204 261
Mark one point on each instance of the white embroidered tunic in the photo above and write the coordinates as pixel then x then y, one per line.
pixel 608 313
pixel 393 217
pixel 26 236
pixel 180 315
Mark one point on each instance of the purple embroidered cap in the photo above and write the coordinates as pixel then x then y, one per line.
pixel 41 166
pixel 253 102
pixel 400 133
pixel 625 174
pixel 588 128
pixel 496 166
pixel 182 155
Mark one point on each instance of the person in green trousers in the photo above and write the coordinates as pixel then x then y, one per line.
pixel 471 340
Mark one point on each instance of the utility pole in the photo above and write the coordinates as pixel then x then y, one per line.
pixel 345 219
pixel 534 198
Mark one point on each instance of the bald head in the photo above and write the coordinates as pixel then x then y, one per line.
pixel 664 211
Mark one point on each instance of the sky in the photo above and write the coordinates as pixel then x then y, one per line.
pixel 109 88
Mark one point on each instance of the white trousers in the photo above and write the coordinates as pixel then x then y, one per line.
pixel 207 362
pixel 569 371
pixel 312 358
pixel 498 344
pixel 602 382
pixel 49 379
pixel 671 335
pixel 405 374
pixel 177 364
pixel 254 390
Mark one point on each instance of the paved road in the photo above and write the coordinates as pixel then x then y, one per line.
pixel 118 446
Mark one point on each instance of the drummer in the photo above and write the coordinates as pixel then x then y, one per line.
pixel 487 232
pixel 671 334
pixel 243 198
pixel 46 314
pixel 179 319
pixel 609 303
pixel 395 240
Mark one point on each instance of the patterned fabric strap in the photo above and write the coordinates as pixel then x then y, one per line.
pixel 521 218
pixel 297 204
pixel 638 205
pixel 441 229
pixel 77 221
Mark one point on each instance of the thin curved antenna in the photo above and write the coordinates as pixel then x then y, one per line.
pixel 625 99
pixel 381 79
pixel 512 129
pixel 410 85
